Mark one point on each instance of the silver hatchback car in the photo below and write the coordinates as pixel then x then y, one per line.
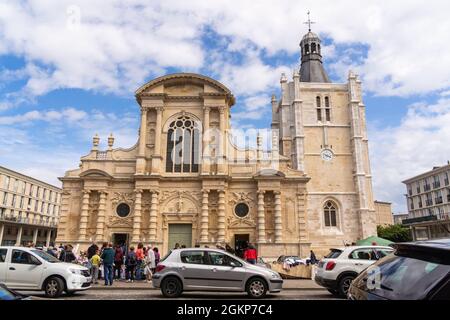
pixel 204 269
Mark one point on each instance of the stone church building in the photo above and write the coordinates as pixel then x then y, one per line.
pixel 186 182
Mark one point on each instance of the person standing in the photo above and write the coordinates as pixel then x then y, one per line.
pixel 118 261
pixel 130 262
pixel 108 261
pixel 157 256
pixel 140 260
pixel 250 255
pixel 95 266
pixel 92 250
pixel 148 264
pixel 69 256
pixel 312 257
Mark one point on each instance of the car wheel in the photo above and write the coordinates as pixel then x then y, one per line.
pixel 256 288
pixel 53 287
pixel 171 287
pixel 344 285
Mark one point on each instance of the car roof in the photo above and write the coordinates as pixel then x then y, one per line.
pixel 361 247
pixel 437 244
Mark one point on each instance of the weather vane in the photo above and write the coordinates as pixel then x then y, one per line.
pixel 309 22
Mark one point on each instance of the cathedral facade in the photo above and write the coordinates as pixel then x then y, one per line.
pixel 186 182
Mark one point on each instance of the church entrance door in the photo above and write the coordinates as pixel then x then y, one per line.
pixel 181 234
pixel 241 243
pixel 120 239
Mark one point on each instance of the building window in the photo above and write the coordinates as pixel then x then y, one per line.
pixel 446 178
pixel 123 210
pixel 306 48
pixel 241 210
pixel 6 182
pixel 330 212
pixel 13 203
pixel 427 186
pixel 438 197
pixel 319 109
pixel 5 198
pixel 183 146
pixel 436 182
pixel 30 193
pixel 313 47
pixel 418 187
pixel 327 109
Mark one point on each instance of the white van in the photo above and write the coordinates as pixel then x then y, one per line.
pixel 33 269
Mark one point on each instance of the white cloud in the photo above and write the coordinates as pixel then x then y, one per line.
pixel 412 148
pixel 68 114
pixel 117 45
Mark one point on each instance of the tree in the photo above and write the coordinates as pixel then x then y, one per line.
pixel 395 233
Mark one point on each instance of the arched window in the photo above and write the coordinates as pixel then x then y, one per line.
pixel 327 109
pixel 306 48
pixel 319 109
pixel 313 48
pixel 183 146
pixel 330 213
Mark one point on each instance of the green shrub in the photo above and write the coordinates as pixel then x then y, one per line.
pixel 395 233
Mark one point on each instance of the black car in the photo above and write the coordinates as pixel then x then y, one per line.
pixel 415 271
pixel 8 294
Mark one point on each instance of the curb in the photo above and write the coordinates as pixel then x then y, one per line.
pixel 107 288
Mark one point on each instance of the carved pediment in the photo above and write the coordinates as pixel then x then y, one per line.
pixel 235 222
pixel 115 221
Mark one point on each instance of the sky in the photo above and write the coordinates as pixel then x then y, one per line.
pixel 69 69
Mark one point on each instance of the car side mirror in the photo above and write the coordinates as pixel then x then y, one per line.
pixel 233 264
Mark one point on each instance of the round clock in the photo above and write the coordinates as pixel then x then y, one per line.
pixel 327 155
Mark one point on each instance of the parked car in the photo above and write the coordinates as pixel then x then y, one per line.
pixel 416 271
pixel 31 269
pixel 8 294
pixel 337 270
pixel 212 270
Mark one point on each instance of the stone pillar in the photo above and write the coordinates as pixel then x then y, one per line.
pixel 49 236
pixel 204 219
pixel 206 151
pixel 137 216
pixel 261 218
pixel 84 215
pixel 101 217
pixel 221 217
pixel 153 216
pixel 35 235
pixel 278 223
pixel 2 230
pixel 223 135
pixel 156 158
pixel 19 237
pixel 140 161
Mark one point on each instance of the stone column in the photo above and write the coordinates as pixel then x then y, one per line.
pixel 49 236
pixel 261 218
pixel 101 217
pixel 2 230
pixel 84 215
pixel 204 219
pixel 278 223
pixel 153 216
pixel 140 161
pixel 205 145
pixel 156 158
pixel 221 217
pixel 19 237
pixel 221 154
pixel 35 235
pixel 137 216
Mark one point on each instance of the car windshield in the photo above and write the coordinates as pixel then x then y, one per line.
pixel 333 254
pixel 399 277
pixel 44 255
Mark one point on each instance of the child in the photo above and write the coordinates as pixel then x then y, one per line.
pixel 95 262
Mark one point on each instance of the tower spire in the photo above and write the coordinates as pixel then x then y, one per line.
pixel 309 22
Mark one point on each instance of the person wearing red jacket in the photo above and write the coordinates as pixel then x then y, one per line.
pixel 250 254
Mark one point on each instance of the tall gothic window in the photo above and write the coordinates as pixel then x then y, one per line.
pixel 319 109
pixel 306 48
pixel 183 146
pixel 313 48
pixel 330 213
pixel 327 109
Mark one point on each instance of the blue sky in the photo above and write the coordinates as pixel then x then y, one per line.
pixel 68 70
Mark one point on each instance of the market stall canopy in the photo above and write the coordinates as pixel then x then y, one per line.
pixel 374 240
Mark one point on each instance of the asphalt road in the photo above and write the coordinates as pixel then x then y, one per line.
pixel 156 294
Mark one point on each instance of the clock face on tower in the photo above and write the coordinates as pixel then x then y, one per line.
pixel 327 155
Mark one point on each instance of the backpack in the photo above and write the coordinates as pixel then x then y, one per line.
pixel 132 259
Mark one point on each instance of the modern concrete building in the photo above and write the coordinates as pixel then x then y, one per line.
pixel 29 209
pixel 399 217
pixel 428 200
pixel 383 211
